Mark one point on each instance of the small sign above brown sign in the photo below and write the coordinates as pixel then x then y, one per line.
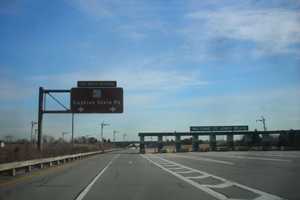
pixel 96 83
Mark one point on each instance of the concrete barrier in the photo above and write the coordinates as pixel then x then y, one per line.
pixel 27 165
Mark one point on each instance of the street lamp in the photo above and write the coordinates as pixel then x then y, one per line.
pixel 124 136
pixel 31 132
pixel 102 126
pixel 263 120
pixel 35 135
pixel 63 135
pixel 114 135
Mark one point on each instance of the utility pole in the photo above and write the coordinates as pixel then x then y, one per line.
pixel 72 140
pixel 31 132
pixel 63 135
pixel 102 126
pixel 124 136
pixel 263 120
pixel 114 135
pixel 35 136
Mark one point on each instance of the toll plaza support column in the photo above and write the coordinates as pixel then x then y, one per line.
pixel 212 142
pixel 160 143
pixel 177 143
pixel 230 142
pixel 142 144
pixel 195 143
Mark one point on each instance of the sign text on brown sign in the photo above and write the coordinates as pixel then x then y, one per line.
pixel 97 100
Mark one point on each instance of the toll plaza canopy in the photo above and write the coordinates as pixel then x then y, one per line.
pixel 205 133
pixel 212 137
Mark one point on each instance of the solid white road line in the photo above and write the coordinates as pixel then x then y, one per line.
pixel 270 155
pixel 88 188
pixel 169 165
pixel 246 157
pixel 197 177
pixel 221 185
pixel 186 172
pixel 205 159
pixel 260 158
pixel 206 188
pixel 175 168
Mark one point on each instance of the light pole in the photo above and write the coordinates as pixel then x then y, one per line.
pixel 31 132
pixel 86 138
pixel 63 135
pixel 124 136
pixel 102 126
pixel 35 135
pixel 72 139
pixel 263 120
pixel 114 135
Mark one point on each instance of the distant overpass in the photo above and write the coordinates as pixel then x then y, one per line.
pixel 212 137
pixel 125 143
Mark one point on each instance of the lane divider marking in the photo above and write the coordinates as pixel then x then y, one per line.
pixel 248 157
pixel 209 188
pixel 205 159
pixel 175 168
pixel 197 177
pixel 84 192
pixel 185 172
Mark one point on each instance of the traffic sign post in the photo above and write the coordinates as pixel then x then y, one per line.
pixel 88 97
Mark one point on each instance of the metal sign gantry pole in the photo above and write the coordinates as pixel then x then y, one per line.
pixel 40 117
pixel 82 93
pixel 42 110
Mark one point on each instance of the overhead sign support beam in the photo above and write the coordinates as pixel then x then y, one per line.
pixel 42 110
pixel 88 97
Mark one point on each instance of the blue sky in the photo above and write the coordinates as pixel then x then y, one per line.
pixel 181 63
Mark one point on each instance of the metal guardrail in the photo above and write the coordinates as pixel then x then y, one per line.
pixel 13 166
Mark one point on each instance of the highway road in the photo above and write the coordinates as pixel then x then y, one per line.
pixel 127 175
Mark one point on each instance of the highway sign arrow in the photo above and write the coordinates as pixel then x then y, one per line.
pixel 80 109
pixel 112 109
pixel 97 100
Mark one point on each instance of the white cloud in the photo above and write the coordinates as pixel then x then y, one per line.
pixel 133 79
pixel 272 31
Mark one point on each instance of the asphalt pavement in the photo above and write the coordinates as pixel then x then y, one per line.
pixel 128 175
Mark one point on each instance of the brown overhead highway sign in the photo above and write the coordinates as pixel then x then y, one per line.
pixel 97 100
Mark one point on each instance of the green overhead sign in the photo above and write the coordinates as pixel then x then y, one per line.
pixel 219 128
